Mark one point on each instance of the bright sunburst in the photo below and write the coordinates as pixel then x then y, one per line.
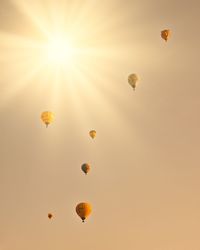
pixel 72 54
pixel 59 50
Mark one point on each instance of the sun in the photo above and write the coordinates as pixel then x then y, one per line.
pixel 59 50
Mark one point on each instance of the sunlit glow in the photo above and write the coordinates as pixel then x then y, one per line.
pixel 59 50
pixel 68 51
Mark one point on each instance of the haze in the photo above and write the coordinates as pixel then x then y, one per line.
pixel 144 181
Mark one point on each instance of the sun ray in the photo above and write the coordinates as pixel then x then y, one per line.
pixel 24 74
pixel 36 12
pixel 9 40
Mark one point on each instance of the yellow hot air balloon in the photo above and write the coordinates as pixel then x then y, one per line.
pixel 92 134
pixel 83 210
pixel 132 80
pixel 50 215
pixel 165 34
pixel 47 117
pixel 85 168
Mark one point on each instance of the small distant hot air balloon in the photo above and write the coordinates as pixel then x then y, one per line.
pixel 92 134
pixel 83 210
pixel 132 80
pixel 47 117
pixel 85 168
pixel 50 215
pixel 165 34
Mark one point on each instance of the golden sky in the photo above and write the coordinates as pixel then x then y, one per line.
pixel 73 58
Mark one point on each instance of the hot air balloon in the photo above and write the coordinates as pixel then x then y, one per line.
pixel 85 168
pixel 50 215
pixel 165 34
pixel 47 117
pixel 132 80
pixel 83 210
pixel 92 134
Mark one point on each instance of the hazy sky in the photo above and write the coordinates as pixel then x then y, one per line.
pixel 145 169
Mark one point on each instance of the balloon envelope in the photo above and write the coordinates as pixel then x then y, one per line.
pixel 92 134
pixel 85 168
pixel 132 80
pixel 165 34
pixel 47 117
pixel 50 215
pixel 83 210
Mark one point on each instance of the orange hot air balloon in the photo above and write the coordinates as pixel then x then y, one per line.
pixel 47 117
pixel 165 34
pixel 92 134
pixel 83 210
pixel 85 168
pixel 50 215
